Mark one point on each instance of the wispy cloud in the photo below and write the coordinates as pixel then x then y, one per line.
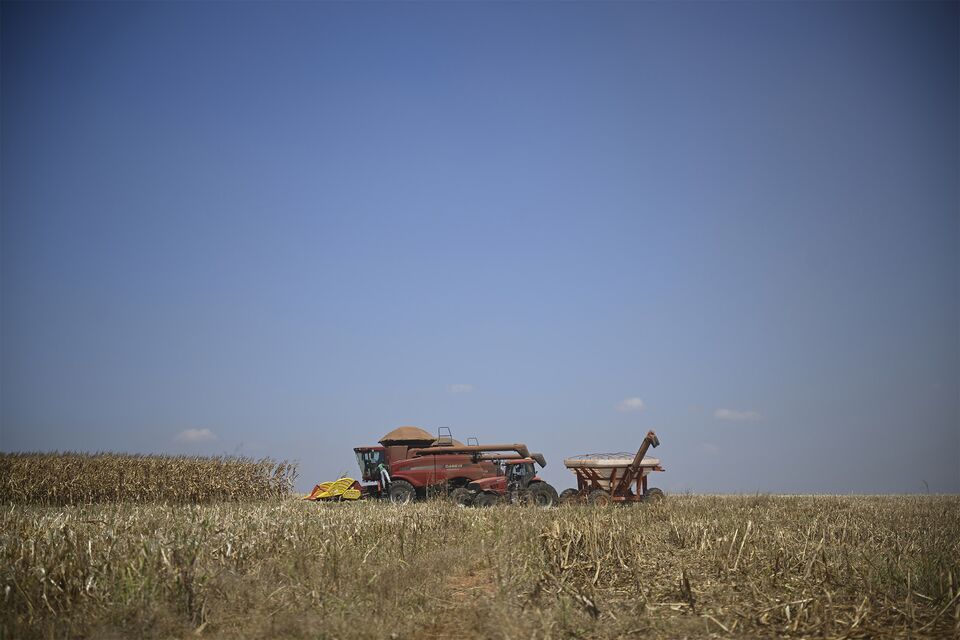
pixel 630 404
pixel 460 388
pixel 191 436
pixel 737 415
pixel 710 448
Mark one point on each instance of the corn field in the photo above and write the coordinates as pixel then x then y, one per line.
pixel 692 566
pixel 82 478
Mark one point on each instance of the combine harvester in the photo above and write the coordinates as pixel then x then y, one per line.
pixel 605 478
pixel 419 465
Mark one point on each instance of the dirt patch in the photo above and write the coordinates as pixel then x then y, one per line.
pixel 477 582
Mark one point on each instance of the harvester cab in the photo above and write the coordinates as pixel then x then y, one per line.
pixel 370 459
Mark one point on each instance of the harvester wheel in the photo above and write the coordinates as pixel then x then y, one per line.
pixel 600 498
pixel 486 499
pixel 653 495
pixel 462 496
pixel 568 496
pixel 541 494
pixel 401 492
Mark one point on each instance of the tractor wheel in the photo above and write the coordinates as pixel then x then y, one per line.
pixel 486 499
pixel 461 496
pixel 600 498
pixel 568 496
pixel 401 492
pixel 541 494
pixel 653 495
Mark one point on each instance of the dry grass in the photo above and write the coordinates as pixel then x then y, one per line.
pixel 694 566
pixel 83 478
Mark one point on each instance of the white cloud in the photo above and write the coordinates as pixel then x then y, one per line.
pixel 710 448
pixel 630 404
pixel 196 435
pixel 460 388
pixel 736 415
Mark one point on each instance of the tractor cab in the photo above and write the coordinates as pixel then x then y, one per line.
pixel 518 473
pixel 513 474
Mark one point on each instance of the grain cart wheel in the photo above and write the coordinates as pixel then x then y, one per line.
pixel 462 496
pixel 568 496
pixel 600 498
pixel 653 495
pixel 486 499
pixel 541 494
pixel 401 492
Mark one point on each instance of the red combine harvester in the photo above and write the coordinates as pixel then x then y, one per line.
pixel 420 465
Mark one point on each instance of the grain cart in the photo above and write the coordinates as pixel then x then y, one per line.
pixel 603 478
pixel 420 465
pixel 516 482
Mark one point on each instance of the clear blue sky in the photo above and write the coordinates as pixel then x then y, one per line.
pixel 297 226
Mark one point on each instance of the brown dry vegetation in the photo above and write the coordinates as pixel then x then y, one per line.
pixel 693 566
pixel 84 478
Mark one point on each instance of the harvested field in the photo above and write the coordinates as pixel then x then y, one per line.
pixel 84 478
pixel 693 566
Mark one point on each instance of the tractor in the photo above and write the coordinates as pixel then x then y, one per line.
pixel 516 482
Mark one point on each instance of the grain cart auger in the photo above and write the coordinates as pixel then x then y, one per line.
pixel 603 478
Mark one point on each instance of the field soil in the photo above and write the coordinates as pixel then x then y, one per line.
pixel 692 566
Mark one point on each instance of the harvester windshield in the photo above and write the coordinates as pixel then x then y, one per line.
pixel 369 460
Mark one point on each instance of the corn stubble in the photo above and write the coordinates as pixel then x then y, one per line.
pixel 694 566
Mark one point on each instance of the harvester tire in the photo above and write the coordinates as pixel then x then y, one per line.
pixel 461 496
pixel 486 499
pixel 541 494
pixel 653 495
pixel 600 498
pixel 568 496
pixel 401 492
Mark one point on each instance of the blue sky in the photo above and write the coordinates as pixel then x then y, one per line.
pixel 285 229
